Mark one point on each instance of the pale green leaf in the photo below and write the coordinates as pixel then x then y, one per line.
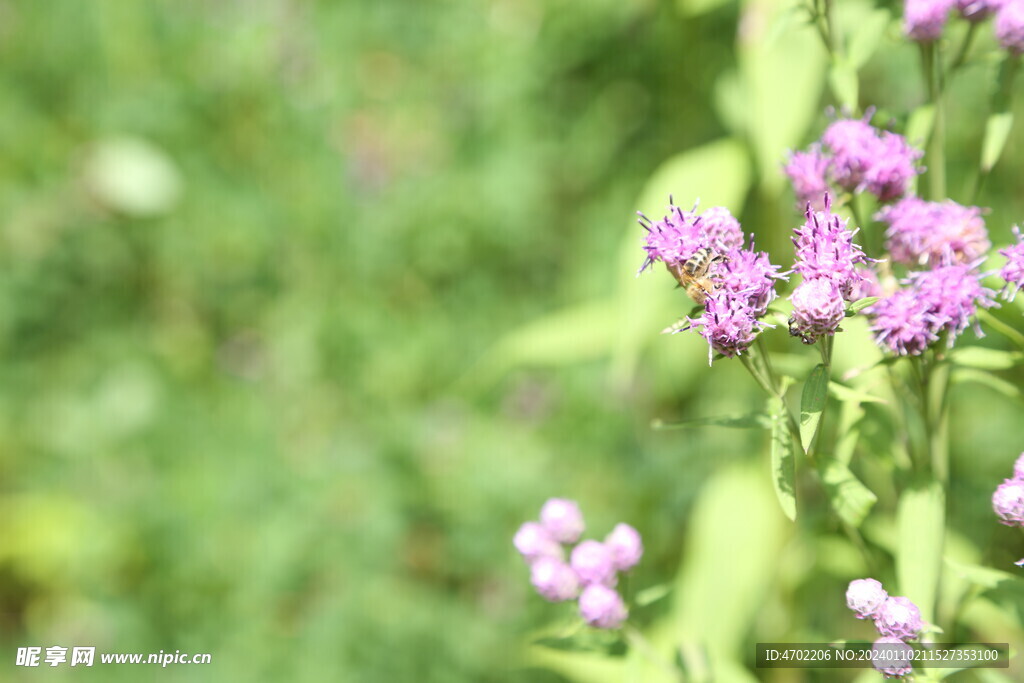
pixel 850 498
pixel 783 462
pixel 919 127
pixel 860 304
pixel 749 421
pixel 997 132
pixel 845 393
pixel 842 78
pixel 865 37
pixel 985 359
pixel 921 516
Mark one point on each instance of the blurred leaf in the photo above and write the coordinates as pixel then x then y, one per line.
pixel 132 176
pixel 750 421
pixel 984 577
pixel 726 554
pixel 842 77
pixel 851 500
pixel 859 305
pixel 606 642
pixel 783 461
pixel 717 173
pixel 782 66
pixel 997 132
pixel 845 393
pixel 919 126
pixel 812 403
pixel 693 8
pixel 921 517
pixel 651 595
pixel 865 37
pixel 1007 389
pixel 985 359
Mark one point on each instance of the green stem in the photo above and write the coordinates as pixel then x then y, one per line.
pixel 965 47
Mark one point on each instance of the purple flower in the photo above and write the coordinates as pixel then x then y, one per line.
pixel 952 295
pixel 562 519
pixel 892 657
pixel 676 237
pixel 721 230
pixel 1008 502
pixel 533 542
pixel 865 596
pixel 825 249
pixel 931 233
pixel 808 171
pixel 1018 468
pixel 594 563
pixel 749 275
pixel 898 618
pixel 923 20
pixel 602 607
pixel 854 145
pixel 625 545
pixel 1013 272
pixel 901 322
pixel 1009 25
pixel 554 579
pixel 818 309
pixel 893 167
pixel 728 324
pixel 977 10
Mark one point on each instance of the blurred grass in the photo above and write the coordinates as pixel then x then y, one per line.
pixel 250 252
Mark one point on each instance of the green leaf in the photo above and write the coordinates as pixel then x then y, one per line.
pixel 1007 389
pixel 984 577
pixel 851 499
pixel 783 461
pixel 845 393
pixel 921 516
pixel 859 305
pixel 997 132
pixel 693 8
pixel 866 36
pixel 749 421
pixel 919 127
pixel 812 403
pixel 985 359
pixel 652 594
pixel 842 78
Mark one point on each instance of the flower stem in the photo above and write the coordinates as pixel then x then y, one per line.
pixel 931 68
pixel 965 47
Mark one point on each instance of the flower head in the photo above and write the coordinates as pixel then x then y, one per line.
pixel 562 519
pixel 676 237
pixel 554 579
pixel 923 20
pixel 720 230
pixel 865 596
pixel 625 545
pixel 953 295
pixel 808 171
pixel 533 542
pixel 898 618
pixel 749 275
pixel 892 657
pixel 853 143
pixel 602 607
pixel 931 233
pixel 817 310
pixel 1008 502
pixel 825 249
pixel 977 10
pixel 893 167
pixel 728 323
pixel 901 323
pixel 593 563
pixel 1009 25
pixel 1013 272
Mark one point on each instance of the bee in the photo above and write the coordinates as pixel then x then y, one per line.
pixel 694 275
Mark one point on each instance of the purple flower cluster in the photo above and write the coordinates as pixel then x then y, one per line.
pixel 925 233
pixel 924 20
pixel 897 619
pixel 729 321
pixel 1008 498
pixel 592 571
pixel 1013 271
pixel 856 157
pixel 932 303
pixel 675 238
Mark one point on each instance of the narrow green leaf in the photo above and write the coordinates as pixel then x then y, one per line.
pixel 984 577
pixel 866 36
pixel 919 127
pixel 783 461
pixel 997 132
pixel 985 359
pixel 652 594
pixel 851 499
pixel 921 517
pixel 749 421
pixel 812 403
pixel 1007 389
pixel 859 305
pixel 845 393
pixel 842 78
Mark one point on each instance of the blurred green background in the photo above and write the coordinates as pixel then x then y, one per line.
pixel 306 306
